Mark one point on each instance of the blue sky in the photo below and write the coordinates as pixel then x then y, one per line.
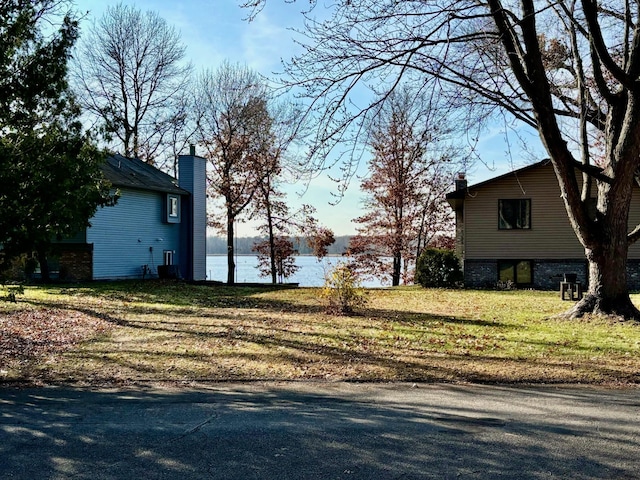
pixel 215 30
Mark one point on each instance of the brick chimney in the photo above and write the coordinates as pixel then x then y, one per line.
pixel 460 181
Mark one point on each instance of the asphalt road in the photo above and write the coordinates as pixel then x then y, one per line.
pixel 320 431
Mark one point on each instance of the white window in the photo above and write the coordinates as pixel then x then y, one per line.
pixel 172 209
pixel 168 257
pixel 173 206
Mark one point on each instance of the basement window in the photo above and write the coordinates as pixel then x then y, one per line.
pixel 519 272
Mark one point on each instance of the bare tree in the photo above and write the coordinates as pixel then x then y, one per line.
pixel 234 127
pixel 569 69
pixel 404 201
pixel 269 205
pixel 179 131
pixel 131 74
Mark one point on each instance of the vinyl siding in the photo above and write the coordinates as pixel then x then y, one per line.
pixel 550 237
pixel 193 179
pixel 122 235
pixel 199 209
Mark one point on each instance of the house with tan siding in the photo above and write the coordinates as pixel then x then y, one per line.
pixel 515 228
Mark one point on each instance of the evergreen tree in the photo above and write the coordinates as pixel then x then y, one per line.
pixel 49 170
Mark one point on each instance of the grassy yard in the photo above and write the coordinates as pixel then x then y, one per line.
pixel 150 332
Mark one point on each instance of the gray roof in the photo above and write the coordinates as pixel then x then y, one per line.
pixel 134 173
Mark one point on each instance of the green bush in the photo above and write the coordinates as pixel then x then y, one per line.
pixel 342 290
pixel 438 268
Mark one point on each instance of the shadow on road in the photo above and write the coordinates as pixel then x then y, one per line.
pixel 307 430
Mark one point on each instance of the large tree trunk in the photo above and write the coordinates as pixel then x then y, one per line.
pixel 605 236
pixel 608 292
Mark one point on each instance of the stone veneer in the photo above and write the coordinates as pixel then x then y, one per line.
pixel 547 274
pixel 480 273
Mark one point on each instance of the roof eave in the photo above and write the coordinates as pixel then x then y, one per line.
pixel 457 196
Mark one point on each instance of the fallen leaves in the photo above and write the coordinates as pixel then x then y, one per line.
pixel 153 332
pixel 39 334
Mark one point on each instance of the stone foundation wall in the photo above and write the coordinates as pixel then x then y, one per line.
pixel 547 274
pixel 480 273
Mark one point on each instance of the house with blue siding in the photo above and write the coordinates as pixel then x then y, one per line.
pixel 156 228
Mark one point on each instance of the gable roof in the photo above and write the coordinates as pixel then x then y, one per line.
pixel 134 173
pixel 461 193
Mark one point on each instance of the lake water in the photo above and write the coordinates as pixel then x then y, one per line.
pixel 310 274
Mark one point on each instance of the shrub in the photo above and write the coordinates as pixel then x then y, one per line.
pixel 342 290
pixel 438 268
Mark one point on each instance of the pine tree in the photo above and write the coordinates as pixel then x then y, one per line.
pixel 49 170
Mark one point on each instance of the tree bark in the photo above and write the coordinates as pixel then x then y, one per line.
pixel 608 293
pixel 231 266
pixel 272 244
pixel 606 254
pixel 397 268
pixel 605 236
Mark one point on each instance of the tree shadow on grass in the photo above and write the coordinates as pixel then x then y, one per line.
pixel 182 300
pixel 173 292
pixel 275 337
pixel 298 432
pixel 228 349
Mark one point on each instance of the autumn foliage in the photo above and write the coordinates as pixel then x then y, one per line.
pixel 343 291
pixel 281 257
pixel 404 203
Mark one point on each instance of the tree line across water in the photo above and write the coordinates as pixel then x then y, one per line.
pixel 244 245
pixel 438 74
pixel 128 78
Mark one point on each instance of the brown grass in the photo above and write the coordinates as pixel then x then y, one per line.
pixel 133 333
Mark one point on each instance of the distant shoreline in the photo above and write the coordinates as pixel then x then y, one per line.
pixel 245 245
pixel 332 255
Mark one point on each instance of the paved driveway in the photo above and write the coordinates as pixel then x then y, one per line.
pixel 320 430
